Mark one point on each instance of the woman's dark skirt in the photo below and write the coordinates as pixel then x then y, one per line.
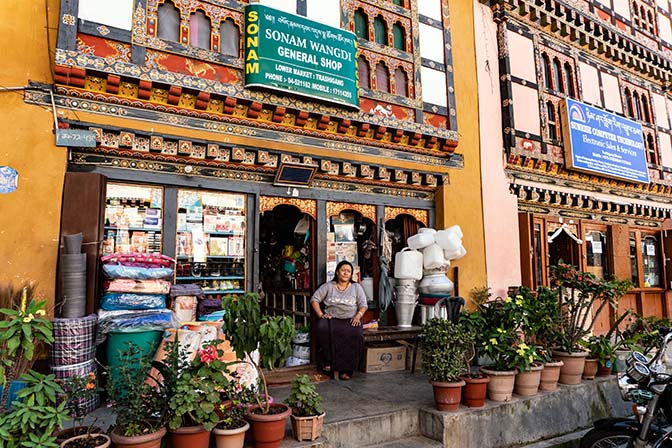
pixel 340 344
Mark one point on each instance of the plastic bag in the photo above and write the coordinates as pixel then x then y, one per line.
pixel 302 226
pixel 129 301
pixel 134 272
pixel 121 320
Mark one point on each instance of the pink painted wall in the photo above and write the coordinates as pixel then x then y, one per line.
pixel 500 217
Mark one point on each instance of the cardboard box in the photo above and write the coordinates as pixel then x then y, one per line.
pixel 384 358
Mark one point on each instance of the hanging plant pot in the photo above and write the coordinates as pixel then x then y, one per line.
pixel 230 438
pixel 190 437
pixel 88 441
pixel 447 396
pixel 475 390
pixel 550 375
pixel 500 387
pixel 268 430
pixel 151 440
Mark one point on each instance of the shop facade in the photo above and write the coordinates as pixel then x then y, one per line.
pixel 276 186
pixel 600 202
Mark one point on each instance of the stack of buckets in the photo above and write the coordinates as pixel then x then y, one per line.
pixel 407 299
pixel 73 351
pixel 73 271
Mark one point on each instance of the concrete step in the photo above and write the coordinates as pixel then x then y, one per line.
pixel 570 440
pixel 409 442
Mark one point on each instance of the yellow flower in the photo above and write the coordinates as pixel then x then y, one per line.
pixel 508 299
pixel 493 341
pixel 519 302
pixel 501 330
pixel 523 346
pixel 531 358
pixel 28 318
pixel 520 352
pixel 40 312
pixel 519 297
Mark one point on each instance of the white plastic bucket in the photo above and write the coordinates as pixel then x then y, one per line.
pixel 408 264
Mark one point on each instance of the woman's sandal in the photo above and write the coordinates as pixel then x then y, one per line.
pixel 326 368
pixel 345 377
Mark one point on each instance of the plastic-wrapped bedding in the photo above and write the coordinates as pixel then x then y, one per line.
pixel 153 286
pixel 74 341
pixel 139 260
pixel 133 320
pixel 134 272
pixel 128 301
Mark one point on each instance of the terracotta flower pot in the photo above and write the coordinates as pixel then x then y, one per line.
pixel 500 387
pixel 68 433
pixel 447 395
pixel 230 438
pixel 590 369
pixel 571 371
pixel 151 440
pixel 268 430
pixel 550 375
pixel 103 441
pixel 474 391
pixel 527 381
pixel 189 437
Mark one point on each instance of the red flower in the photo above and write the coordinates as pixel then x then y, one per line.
pixel 208 354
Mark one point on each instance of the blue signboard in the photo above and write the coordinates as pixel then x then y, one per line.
pixel 603 143
pixel 75 137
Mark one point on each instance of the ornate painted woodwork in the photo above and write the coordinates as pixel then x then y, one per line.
pixel 367 211
pixel 307 206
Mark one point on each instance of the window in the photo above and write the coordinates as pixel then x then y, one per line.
pixel 597 254
pixel 634 264
pixel 168 17
pixel 199 30
pixel 364 72
pixel 399 37
pixel 557 75
pixel 380 30
pixel 398 2
pixel 546 65
pixel 637 106
pixel 628 103
pixel 229 38
pixel 651 262
pixel 651 152
pixel 361 25
pixel 382 78
pixel 552 125
pixel 645 108
pixel 401 82
pixel 538 255
pixel 569 80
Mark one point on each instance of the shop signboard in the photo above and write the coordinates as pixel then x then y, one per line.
pixel 602 143
pixel 75 137
pixel 290 53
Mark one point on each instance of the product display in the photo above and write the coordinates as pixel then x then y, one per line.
pixel 133 219
pixel 210 241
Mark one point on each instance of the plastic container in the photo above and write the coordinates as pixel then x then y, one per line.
pixel 408 264
pixel 432 257
pixel 404 312
pixel 147 342
pixel 448 240
pixel 436 284
pixel 420 240
pixel 455 254
pixel 367 286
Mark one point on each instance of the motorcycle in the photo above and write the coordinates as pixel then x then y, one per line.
pixel 647 384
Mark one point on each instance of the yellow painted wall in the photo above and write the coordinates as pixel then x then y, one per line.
pixel 459 201
pixel 30 216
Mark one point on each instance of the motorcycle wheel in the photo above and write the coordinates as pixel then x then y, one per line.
pixel 607 438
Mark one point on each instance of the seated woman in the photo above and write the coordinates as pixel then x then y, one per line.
pixel 339 331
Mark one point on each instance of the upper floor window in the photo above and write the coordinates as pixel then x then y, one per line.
pixel 637 104
pixel 643 16
pixel 382 78
pixel 628 103
pixel 552 121
pixel 651 149
pixel 557 75
pixel 380 30
pixel 364 72
pixel 399 37
pixel 558 72
pixel 546 65
pixel 569 80
pixel 168 17
pixel 400 82
pixel 229 38
pixel 361 25
pixel 199 30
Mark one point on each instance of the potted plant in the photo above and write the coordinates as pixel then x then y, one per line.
pixel 500 339
pixel 275 344
pixel 78 391
pixel 603 351
pixel 476 383
pixel 140 408
pixel 306 404
pixel 195 391
pixel 241 325
pixel 230 431
pixel 444 346
pixel 582 297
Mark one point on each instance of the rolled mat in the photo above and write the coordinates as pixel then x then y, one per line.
pixel 74 341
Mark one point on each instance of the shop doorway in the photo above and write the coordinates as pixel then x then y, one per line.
pixel 563 247
pixel 287 250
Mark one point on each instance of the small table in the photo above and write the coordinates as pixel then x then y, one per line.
pixel 408 336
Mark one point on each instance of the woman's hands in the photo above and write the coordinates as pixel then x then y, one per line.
pixel 356 321
pixel 325 316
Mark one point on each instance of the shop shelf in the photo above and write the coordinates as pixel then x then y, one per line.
pixel 188 257
pixel 224 291
pixel 207 277
pixel 134 229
